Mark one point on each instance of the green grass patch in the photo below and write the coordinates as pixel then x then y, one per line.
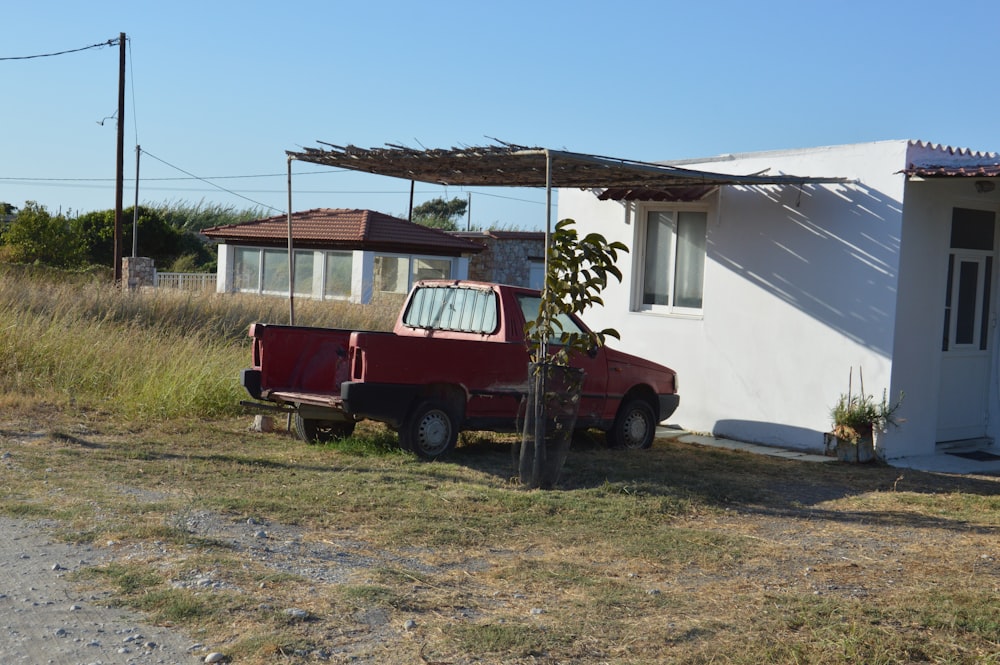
pixel 511 639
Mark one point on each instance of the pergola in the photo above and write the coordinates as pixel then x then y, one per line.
pixel 510 165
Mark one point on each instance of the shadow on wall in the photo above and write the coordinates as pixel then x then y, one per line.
pixel 832 252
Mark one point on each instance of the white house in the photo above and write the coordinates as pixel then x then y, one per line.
pixel 763 298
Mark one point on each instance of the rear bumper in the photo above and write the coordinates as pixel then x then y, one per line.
pixel 668 404
pixel 385 402
pixel 250 379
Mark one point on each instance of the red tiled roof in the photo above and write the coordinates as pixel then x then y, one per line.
pixel 344 229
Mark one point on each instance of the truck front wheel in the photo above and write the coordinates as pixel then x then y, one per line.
pixel 322 431
pixel 429 431
pixel 635 425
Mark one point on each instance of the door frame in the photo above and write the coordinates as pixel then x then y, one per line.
pixel 960 361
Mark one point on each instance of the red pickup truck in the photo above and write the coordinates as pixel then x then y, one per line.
pixel 456 360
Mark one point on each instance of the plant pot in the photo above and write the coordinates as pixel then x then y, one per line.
pixel 861 452
pixel 552 405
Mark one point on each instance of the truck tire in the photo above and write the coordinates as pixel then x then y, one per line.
pixel 635 425
pixel 322 431
pixel 429 431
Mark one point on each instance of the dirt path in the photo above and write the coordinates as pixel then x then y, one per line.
pixel 45 619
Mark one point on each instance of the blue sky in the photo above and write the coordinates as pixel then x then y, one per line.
pixel 218 88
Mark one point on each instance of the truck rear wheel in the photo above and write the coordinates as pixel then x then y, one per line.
pixel 635 425
pixel 429 431
pixel 322 431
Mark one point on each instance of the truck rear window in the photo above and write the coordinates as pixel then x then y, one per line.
pixel 454 308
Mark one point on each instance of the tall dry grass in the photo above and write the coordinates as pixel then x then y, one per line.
pixel 75 339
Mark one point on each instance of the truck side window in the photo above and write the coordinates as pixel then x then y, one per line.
pixel 530 306
pixel 453 308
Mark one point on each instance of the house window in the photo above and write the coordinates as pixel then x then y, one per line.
pixel 275 272
pixel 431 269
pixel 246 270
pixel 673 266
pixel 339 266
pixel 396 274
pixel 257 270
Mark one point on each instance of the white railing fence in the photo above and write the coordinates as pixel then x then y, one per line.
pixel 185 281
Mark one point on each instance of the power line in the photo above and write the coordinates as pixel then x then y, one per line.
pixel 110 42
pixel 208 182
pixel 131 80
pixel 217 177
pixel 97 182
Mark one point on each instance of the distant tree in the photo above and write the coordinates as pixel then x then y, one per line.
pixel 157 238
pixel 168 233
pixel 440 214
pixel 35 236
pixel 193 218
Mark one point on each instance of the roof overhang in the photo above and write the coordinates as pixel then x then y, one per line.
pixel 972 171
pixel 508 165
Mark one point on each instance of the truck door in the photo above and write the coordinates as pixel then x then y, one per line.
pixel 595 364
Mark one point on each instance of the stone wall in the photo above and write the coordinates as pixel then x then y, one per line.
pixel 138 271
pixel 508 256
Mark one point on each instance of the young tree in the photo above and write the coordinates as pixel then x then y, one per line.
pixel 578 271
pixel 440 214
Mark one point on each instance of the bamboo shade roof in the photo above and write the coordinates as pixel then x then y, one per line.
pixel 509 165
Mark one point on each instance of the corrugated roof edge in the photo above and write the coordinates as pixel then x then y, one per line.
pixel 960 154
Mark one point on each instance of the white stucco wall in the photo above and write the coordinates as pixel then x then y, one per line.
pixel 224 272
pixel 800 286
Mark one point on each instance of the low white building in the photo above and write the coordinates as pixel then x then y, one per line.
pixel 764 298
pixel 342 254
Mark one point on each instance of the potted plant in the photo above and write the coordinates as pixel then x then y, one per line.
pixel 577 270
pixel 857 418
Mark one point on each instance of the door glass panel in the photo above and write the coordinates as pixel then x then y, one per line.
pixel 965 315
pixel 984 324
pixel 946 337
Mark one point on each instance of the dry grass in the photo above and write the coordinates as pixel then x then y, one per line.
pixel 145 354
pixel 677 554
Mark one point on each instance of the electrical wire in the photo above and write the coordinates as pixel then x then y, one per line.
pixel 110 42
pixel 209 182
pixel 85 181
pixel 131 81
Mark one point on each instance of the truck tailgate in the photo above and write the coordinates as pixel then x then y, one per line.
pixel 300 361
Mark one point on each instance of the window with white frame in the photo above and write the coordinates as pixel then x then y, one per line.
pixel 337 282
pixel 397 273
pixel 265 270
pixel 672 273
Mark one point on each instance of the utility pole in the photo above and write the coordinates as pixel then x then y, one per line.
pixel 120 173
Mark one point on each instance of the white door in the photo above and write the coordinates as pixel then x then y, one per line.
pixel 968 323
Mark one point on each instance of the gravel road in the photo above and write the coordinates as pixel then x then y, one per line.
pixel 45 620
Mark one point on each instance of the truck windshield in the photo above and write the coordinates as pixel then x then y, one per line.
pixel 455 308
